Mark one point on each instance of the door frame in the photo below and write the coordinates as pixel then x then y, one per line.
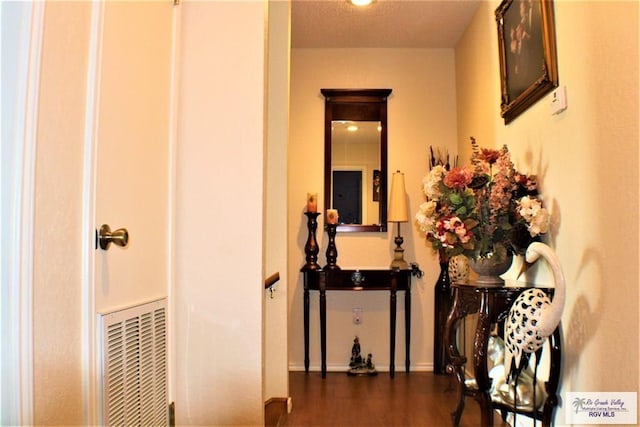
pixel 18 213
pixel 89 348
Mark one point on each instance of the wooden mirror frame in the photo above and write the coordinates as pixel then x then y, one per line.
pixel 357 105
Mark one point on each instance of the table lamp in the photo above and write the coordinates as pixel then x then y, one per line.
pixel 398 214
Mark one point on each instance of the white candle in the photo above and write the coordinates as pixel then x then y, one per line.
pixel 312 202
pixel 332 216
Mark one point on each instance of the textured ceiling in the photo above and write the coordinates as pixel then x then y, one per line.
pixel 385 23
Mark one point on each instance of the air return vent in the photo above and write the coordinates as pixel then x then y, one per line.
pixel 134 366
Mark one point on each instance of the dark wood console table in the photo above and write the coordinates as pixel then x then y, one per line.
pixel 492 303
pixel 345 280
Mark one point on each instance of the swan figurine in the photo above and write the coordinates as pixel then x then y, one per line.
pixel 533 316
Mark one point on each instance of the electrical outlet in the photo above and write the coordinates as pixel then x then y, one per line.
pixel 357 316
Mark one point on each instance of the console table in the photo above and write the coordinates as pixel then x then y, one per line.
pixel 492 303
pixel 357 280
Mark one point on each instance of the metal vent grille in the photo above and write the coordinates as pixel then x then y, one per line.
pixel 135 366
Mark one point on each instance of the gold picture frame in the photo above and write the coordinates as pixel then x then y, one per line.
pixel 527 48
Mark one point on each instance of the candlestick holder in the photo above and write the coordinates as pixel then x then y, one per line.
pixel 332 251
pixel 311 248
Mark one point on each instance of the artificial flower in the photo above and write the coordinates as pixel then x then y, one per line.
pixel 458 178
pixel 482 210
pixel 489 155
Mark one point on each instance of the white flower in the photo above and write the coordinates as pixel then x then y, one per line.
pixel 428 208
pixel 529 207
pixel 431 182
pixel 425 216
pixel 536 216
pixel 539 223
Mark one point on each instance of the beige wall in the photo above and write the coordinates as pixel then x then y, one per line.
pixel 422 112
pixel 587 162
pixel 219 205
pixel 57 278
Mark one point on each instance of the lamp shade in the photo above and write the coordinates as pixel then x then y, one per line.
pixel 397 199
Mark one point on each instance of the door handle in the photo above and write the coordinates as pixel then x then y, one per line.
pixel 119 237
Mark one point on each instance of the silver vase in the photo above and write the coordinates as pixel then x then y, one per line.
pixel 490 267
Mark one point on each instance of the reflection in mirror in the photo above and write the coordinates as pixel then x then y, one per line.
pixel 356 157
pixel 355 165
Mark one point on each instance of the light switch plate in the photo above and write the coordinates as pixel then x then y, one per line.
pixel 559 100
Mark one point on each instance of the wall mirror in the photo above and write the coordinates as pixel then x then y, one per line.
pixel 355 157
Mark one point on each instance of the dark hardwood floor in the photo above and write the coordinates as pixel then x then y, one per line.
pixel 419 399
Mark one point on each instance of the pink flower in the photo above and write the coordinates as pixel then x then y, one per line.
pixel 500 196
pixel 458 178
pixel 452 230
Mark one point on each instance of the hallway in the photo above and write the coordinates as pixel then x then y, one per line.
pixel 418 399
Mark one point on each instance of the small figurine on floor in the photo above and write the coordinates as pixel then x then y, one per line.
pixel 370 365
pixel 357 365
pixel 356 359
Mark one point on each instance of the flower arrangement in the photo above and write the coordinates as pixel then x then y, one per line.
pixel 482 210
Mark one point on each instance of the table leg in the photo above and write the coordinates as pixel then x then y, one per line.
pixel 456 360
pixel 407 326
pixel 480 344
pixel 306 329
pixel 392 334
pixel 323 331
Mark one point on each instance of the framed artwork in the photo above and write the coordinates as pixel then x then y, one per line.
pixel 527 48
pixel 377 176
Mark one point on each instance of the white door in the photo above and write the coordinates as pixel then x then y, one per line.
pixel 133 133
pixel 131 64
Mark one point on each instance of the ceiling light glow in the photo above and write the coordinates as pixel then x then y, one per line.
pixel 361 2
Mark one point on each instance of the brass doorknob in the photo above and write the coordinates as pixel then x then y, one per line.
pixel 119 237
